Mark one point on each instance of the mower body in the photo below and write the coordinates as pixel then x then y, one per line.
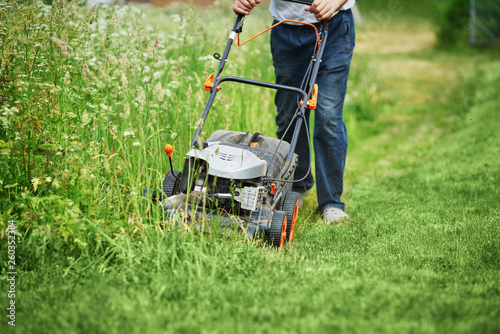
pixel 242 180
pixel 231 179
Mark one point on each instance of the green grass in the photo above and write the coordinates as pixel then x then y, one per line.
pixel 420 255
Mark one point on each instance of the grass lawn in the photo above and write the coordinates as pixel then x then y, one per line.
pixel 420 255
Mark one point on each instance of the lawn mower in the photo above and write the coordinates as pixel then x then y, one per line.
pixel 239 179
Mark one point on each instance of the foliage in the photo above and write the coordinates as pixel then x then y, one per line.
pixel 89 98
pixel 453 26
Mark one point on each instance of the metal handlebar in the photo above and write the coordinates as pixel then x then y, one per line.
pixel 303 2
pixel 324 24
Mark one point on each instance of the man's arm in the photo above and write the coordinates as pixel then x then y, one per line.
pixel 324 9
pixel 244 6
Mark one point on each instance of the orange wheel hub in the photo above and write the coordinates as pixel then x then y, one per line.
pixel 283 234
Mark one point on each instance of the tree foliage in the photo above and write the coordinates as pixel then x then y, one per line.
pixel 453 23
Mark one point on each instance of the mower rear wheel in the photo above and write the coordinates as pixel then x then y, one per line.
pixel 171 183
pixel 277 232
pixel 291 207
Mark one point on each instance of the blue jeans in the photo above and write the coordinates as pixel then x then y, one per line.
pixel 292 47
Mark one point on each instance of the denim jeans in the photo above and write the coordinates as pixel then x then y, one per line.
pixel 292 47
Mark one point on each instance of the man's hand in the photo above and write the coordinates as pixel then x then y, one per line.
pixel 324 9
pixel 244 6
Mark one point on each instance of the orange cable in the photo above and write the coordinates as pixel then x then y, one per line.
pixel 280 22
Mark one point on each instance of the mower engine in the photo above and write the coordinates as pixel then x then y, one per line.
pixel 232 172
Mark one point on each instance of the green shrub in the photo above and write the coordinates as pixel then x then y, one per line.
pixel 453 24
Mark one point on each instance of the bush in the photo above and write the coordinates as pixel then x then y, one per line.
pixel 453 23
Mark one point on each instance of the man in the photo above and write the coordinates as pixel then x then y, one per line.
pixel 292 46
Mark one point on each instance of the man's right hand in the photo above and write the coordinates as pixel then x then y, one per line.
pixel 244 6
pixel 324 9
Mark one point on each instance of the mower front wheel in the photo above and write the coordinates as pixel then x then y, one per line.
pixel 277 232
pixel 171 183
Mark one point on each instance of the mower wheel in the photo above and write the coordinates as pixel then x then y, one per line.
pixel 150 198
pixel 291 207
pixel 171 183
pixel 151 195
pixel 277 232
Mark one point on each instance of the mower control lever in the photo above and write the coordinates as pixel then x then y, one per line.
pixel 169 149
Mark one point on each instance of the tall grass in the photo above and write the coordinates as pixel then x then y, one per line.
pixel 89 98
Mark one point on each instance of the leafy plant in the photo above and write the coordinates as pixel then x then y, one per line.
pixel 453 24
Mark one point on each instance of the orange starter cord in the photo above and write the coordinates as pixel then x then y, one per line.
pixel 277 24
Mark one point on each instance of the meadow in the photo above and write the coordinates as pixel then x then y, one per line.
pixel 89 98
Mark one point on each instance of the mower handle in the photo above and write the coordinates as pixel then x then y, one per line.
pixel 237 28
pixel 303 2
pixel 324 25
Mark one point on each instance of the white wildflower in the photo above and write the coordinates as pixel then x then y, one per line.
pixel 128 133
pixel 158 91
pixel 85 118
pixel 67 78
pixel 176 18
pixel 56 183
pixel 207 58
pixel 141 97
pixel 35 181
pixel 136 143
pixel 173 84
pixel 5 122
pixel 157 75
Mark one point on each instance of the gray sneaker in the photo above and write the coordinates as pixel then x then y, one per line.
pixel 334 216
